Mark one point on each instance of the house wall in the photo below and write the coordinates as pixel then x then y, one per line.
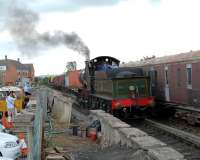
pixel 12 74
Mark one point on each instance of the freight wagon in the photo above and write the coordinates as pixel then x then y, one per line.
pixel 68 80
pixel 72 80
pixel 59 81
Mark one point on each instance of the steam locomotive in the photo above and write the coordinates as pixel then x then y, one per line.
pixel 104 85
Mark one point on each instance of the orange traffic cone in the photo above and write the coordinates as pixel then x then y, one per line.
pixel 3 120
pixel 9 123
pixel 23 146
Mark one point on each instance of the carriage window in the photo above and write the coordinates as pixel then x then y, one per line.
pixel 149 73
pixel 155 78
pixel 179 77
pixel 166 77
pixel 189 76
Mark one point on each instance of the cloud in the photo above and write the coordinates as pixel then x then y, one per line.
pixel 69 5
pixel 53 6
pixel 62 5
pixel 155 2
pixel 3 5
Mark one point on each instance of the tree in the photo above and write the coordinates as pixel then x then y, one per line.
pixel 71 66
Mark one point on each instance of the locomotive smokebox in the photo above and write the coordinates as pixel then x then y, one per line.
pixel 85 74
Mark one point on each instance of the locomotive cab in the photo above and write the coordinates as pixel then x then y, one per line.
pixel 98 64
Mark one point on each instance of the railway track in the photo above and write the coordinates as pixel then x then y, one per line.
pixel 190 114
pixel 180 124
pixel 185 143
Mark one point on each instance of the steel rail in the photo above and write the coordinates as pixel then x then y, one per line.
pixel 176 132
pixel 188 108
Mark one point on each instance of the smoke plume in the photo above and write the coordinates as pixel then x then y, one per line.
pixel 22 24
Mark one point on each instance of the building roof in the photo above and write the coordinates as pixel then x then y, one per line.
pixel 19 66
pixel 182 57
pixel 29 67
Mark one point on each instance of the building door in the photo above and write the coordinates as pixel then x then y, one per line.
pixel 167 96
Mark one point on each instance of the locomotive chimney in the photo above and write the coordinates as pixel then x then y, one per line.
pixel 87 73
pixel 87 54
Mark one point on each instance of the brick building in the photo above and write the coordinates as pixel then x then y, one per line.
pixel 13 71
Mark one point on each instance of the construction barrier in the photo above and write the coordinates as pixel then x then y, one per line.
pixel 3 120
pixel 9 122
pixel 23 146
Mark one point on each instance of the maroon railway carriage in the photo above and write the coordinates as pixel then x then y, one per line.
pixel 174 78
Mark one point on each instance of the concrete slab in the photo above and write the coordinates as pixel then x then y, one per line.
pixel 132 132
pixel 140 155
pixel 116 123
pixel 165 153
pixel 100 113
pixel 55 157
pixel 146 142
pixel 97 111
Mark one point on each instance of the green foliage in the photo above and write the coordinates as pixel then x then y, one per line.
pixel 71 66
pixel 42 80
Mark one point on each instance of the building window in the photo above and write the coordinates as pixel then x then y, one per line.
pixel 189 76
pixel 3 76
pixel 179 77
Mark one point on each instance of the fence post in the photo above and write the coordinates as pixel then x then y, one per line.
pixel 38 129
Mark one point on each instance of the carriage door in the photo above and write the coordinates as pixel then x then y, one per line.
pixel 167 98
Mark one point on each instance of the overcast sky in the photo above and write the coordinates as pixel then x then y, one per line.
pixel 125 29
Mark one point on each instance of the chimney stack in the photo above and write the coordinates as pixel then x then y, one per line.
pixel 18 59
pixel 6 57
